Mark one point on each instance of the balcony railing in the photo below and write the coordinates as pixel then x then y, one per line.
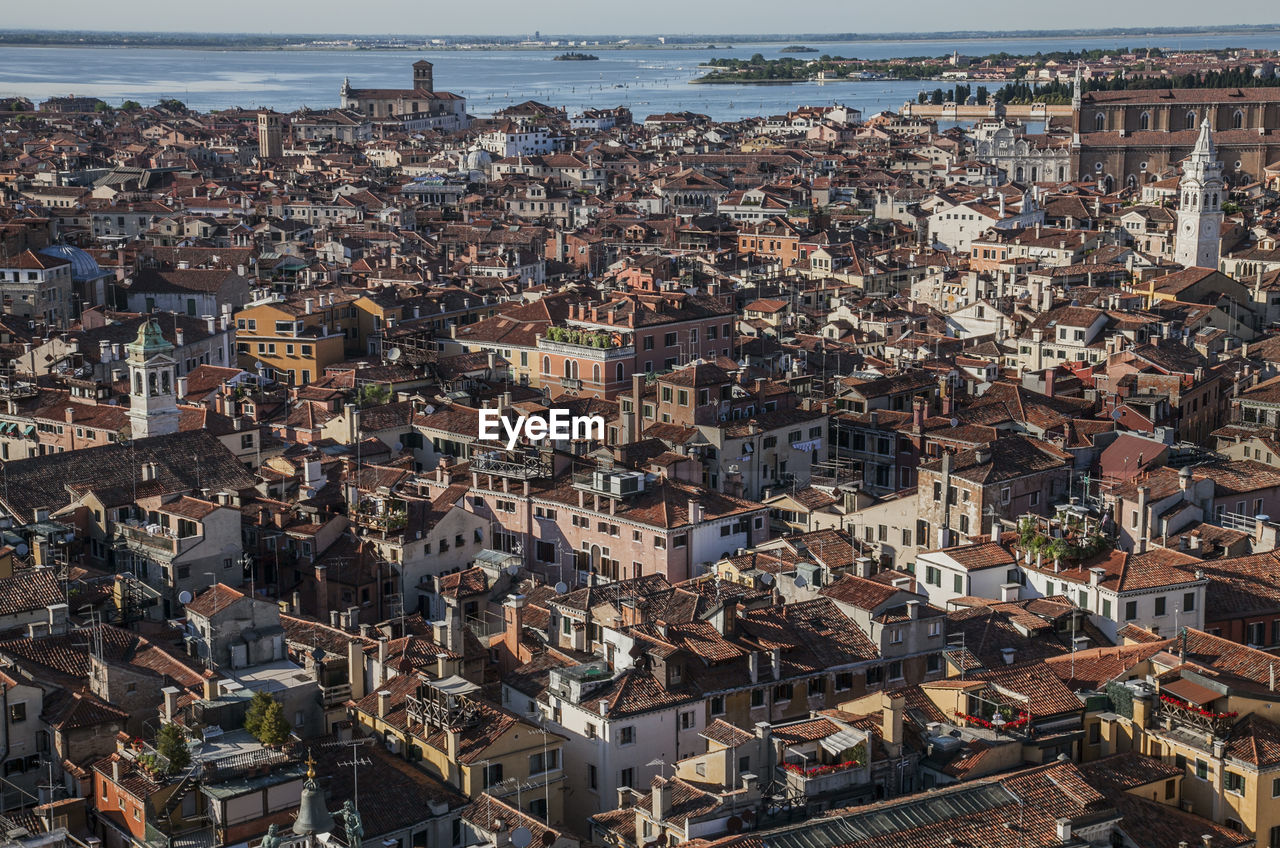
pixel 1189 715
pixel 153 537
pixel 586 351
pixel 332 696
pixel 821 779
pixel 518 464
pixel 570 383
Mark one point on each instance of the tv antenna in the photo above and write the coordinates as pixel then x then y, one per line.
pixel 357 760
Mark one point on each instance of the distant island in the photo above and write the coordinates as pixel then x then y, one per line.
pixel 575 57
pixel 798 48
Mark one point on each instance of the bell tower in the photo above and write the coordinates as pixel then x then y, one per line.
pixel 153 400
pixel 422 76
pixel 1200 204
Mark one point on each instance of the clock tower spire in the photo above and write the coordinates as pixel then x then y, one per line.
pixel 1200 204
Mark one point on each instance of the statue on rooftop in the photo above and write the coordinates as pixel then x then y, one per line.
pixel 355 829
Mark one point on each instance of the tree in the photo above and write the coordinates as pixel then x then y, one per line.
pixel 173 746
pixel 373 394
pixel 130 106
pixel 274 727
pixel 100 106
pixel 257 709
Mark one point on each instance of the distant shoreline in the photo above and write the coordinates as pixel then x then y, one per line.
pixel 253 43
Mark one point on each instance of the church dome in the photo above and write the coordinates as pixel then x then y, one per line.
pixel 83 266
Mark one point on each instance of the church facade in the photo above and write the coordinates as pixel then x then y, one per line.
pixel 422 105
pixel 1130 138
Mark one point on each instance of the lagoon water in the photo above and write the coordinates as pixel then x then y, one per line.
pixel 645 80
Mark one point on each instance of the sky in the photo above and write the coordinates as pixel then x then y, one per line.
pixel 649 17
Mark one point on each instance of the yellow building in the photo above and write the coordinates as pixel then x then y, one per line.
pixel 295 339
pixel 1211 707
pixel 471 744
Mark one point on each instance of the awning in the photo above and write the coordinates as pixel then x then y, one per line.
pixel 840 741
pixel 29 430
pixel 1192 693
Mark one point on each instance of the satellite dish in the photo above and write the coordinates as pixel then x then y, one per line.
pixel 399 446
pixel 318 654
pixel 766 579
pixel 1116 414
pixel 800 581
pixel 21 549
pixel 521 837
pixel 955 422
pixel 184 597
pixel 393 354
pixel 561 588
pixel 513 570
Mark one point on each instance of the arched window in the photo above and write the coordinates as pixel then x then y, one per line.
pixel 1214 200
pixel 1144 121
pixel 1035 173
pixel 1099 121
pixel 1191 119
pixel 568 369
pixel 1062 173
pixel 1237 120
pixel 166 386
pixel 621 372
pixel 1018 174
pixel 152 386
pixel 1132 181
pixel 595 373
pixel 1108 184
pixel 137 382
pixel 546 365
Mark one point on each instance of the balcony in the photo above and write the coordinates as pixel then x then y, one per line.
pixel 151 538
pixel 570 383
pixel 1180 713
pixel 516 464
pixel 598 346
pixel 385 515
pixel 335 695
pixel 809 781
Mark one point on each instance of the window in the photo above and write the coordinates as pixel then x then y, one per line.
pixel 1189 602
pixel 627 777
pixel 933 575
pixel 717 705
pixel 895 670
pixel 669 340
pixel 782 692
pixel 844 680
pixel 18 712
pixel 1234 782
pixel 1202 770
pixel 958 584
pixel 875 675
pixel 817 685
pixel 492 774
pixel 757 697
pixel 627 735
pixel 1160 606
pixel 592 779
pixel 1130 610
pixel 687 720
pixel 539 762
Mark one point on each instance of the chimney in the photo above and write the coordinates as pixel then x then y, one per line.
pixel 917 414
pixel 753 666
pixel 355 668
pixel 913 609
pixel 513 619
pixel 382 660
pixel 1009 592
pixel 862 566
pixel 1008 655
pixel 451 738
pixel 309 305
pixel 776 657
pixel 1095 575
pixel 661 800
pixel 1064 830
pixel 384 703
pixel 171 695
pixel 58 618
pixel 115 770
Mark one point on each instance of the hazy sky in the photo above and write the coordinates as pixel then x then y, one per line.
pixel 515 17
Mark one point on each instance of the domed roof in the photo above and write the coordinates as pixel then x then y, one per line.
pixel 83 266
